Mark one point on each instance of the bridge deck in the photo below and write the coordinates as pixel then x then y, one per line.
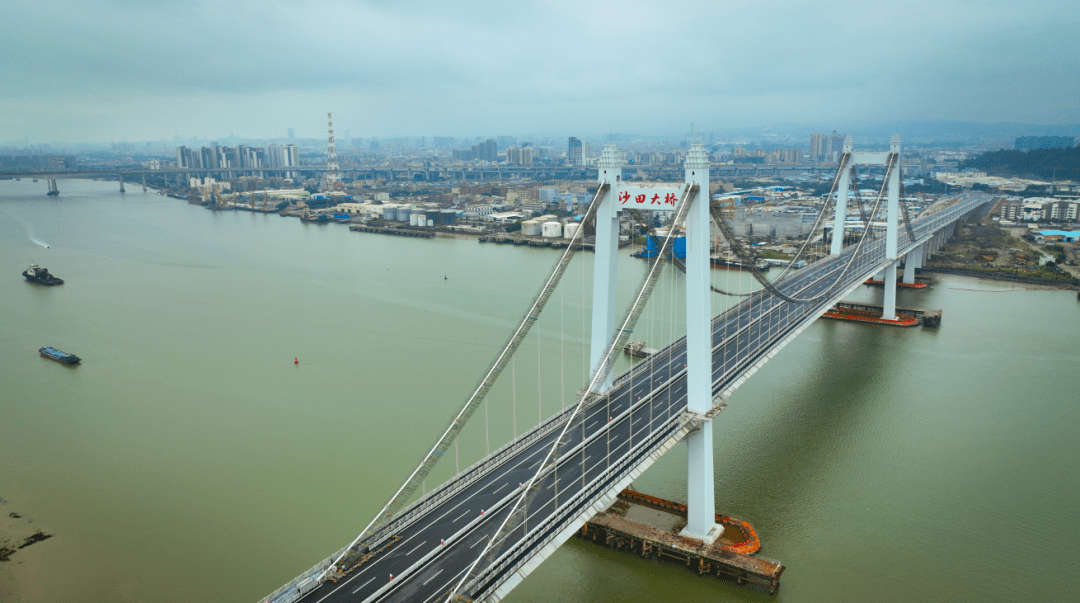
pixel 434 541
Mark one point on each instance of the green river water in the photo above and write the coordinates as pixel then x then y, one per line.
pixel 188 458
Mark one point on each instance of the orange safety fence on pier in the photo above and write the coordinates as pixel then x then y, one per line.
pixel 748 546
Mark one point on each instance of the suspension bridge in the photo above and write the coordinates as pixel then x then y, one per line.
pixel 479 534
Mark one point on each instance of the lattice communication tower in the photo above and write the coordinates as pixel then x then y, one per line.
pixel 333 174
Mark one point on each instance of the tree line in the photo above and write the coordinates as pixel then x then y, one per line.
pixel 1044 164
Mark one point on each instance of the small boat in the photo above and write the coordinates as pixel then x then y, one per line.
pixel 62 357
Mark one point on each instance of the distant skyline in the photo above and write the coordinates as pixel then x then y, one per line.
pixel 120 70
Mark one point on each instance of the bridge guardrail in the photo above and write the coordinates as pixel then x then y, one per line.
pixel 580 503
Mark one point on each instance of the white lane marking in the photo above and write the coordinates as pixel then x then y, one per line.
pixel 589 426
pixel 431 578
pixel 362 585
pixel 460 516
pixel 501 487
pixel 638 419
pixel 442 591
pixel 477 542
pixel 415 547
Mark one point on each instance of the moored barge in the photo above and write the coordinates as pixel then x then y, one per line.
pixel 62 357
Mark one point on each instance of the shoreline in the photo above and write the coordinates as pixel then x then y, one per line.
pixel 1041 283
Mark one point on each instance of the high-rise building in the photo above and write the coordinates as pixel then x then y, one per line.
pixel 527 154
pixel 574 150
pixel 817 146
pixel 834 147
pixel 513 155
pixel 482 151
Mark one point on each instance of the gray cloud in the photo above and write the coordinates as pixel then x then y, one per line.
pixel 142 70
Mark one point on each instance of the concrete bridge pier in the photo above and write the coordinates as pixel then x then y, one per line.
pixel 912 262
pixel 841 199
pixel 892 229
pixel 144 183
pixel 122 183
pixel 700 486
pixel 888 311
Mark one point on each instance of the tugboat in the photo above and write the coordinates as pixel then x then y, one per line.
pixel 37 274
pixel 62 357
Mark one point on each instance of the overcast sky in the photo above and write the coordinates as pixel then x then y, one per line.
pixel 114 70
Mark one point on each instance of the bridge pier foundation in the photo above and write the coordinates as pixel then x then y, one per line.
pixel 888 311
pixel 122 183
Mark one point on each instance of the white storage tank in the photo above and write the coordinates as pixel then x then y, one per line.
pixel 570 230
pixel 530 228
pixel 552 230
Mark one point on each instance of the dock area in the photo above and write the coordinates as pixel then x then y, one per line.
pixel 500 238
pixel 649 526
pixel 871 314
pixel 398 232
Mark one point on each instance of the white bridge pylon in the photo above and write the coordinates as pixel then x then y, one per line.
pixel 891 160
pixel 701 513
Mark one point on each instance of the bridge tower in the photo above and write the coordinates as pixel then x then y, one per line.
pixel 891 160
pixel 701 507
pixel 609 171
pixel 701 523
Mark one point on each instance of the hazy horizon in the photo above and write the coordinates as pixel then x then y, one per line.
pixel 126 71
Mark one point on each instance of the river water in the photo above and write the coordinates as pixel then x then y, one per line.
pixel 189 459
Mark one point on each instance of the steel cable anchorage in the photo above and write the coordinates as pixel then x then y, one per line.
pixel 351 554
pixel 518 512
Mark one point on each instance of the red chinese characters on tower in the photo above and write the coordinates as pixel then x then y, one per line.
pixel 669 199
pixel 639 198
pixel 655 200
pixel 624 197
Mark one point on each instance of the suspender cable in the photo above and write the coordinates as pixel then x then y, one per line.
pixel 349 555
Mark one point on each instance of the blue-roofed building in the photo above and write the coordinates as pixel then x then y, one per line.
pixel 1065 236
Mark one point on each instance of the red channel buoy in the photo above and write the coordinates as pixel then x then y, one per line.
pixel 296 361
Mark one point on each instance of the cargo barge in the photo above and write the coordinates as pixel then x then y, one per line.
pixel 649 526
pixel 62 357
pixel 716 262
pixel 921 282
pixel 871 313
